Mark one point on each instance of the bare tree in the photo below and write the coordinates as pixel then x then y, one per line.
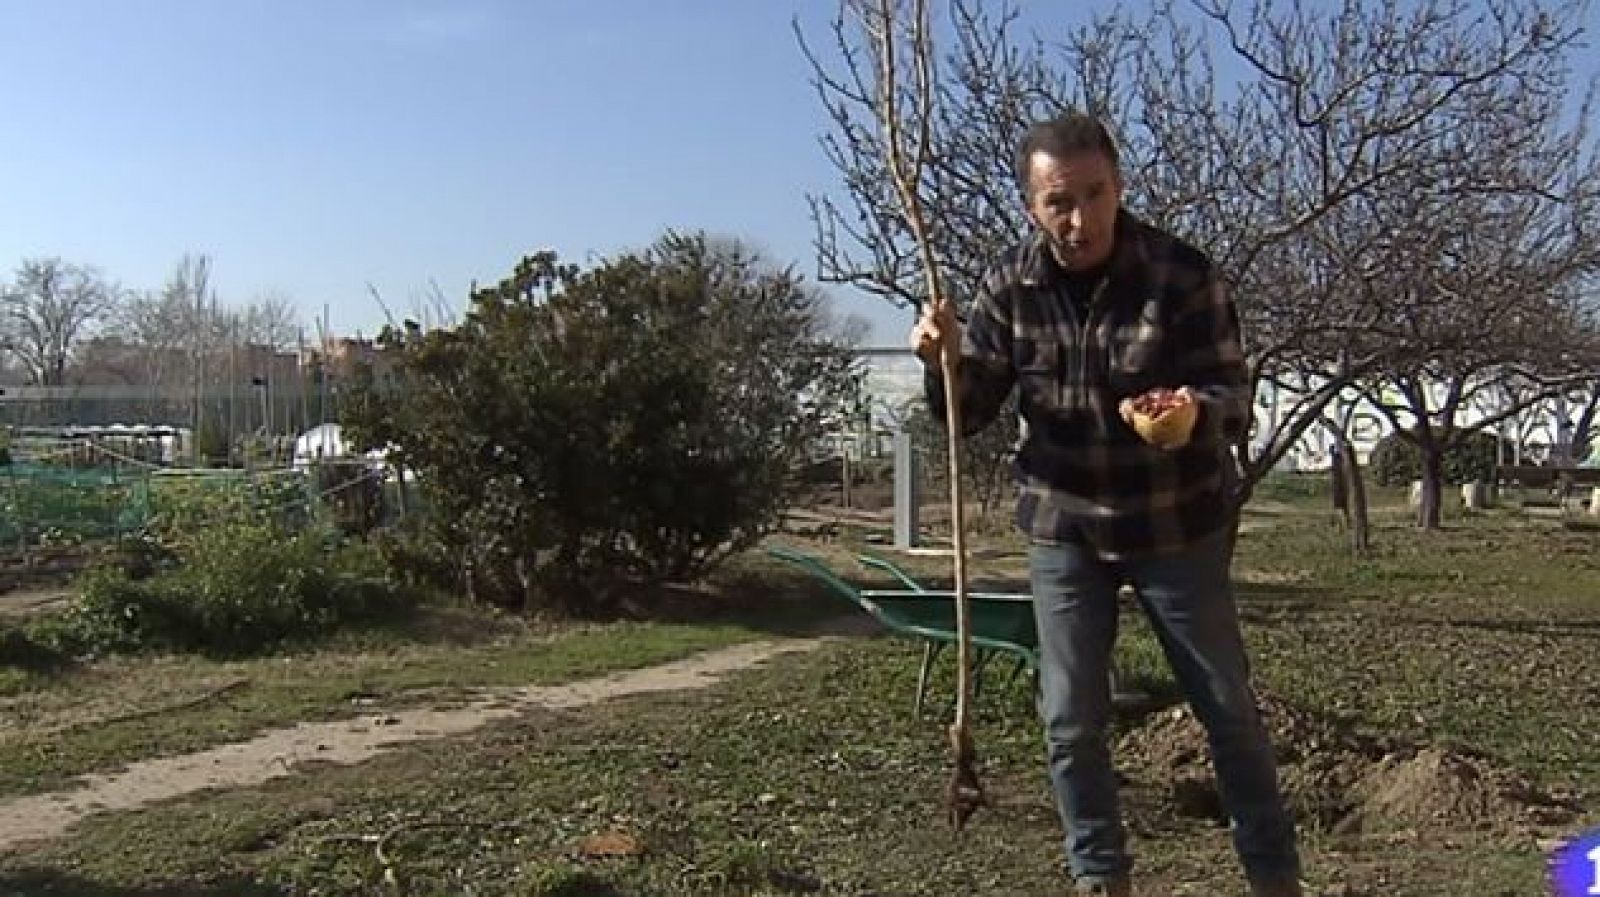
pixel 1277 177
pixel 184 334
pixel 271 320
pixel 1491 286
pixel 49 307
pixel 1587 401
pixel 157 326
pixel 986 455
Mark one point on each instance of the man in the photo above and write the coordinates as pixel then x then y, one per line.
pixel 1095 310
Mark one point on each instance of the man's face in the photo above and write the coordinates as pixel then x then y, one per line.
pixel 1074 200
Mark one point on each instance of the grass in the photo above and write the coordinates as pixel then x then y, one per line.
pixel 48 743
pixel 811 775
pixel 758 787
pixel 56 725
pixel 1480 635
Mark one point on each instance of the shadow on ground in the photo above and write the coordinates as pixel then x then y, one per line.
pixel 21 652
pixel 1582 629
pixel 32 882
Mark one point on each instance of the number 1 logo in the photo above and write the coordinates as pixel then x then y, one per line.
pixel 1575 866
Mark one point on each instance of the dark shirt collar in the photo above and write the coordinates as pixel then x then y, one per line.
pixel 1126 265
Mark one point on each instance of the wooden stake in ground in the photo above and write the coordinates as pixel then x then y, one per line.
pixel 965 793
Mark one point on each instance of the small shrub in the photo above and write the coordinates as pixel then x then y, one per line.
pixel 138 556
pixel 19 650
pixel 1396 461
pixel 1289 486
pixel 415 555
pixel 238 589
pixel 182 508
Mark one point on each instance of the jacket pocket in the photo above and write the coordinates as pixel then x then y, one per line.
pixel 1040 372
pixel 1137 359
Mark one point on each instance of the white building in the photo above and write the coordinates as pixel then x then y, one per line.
pixel 1532 435
pixel 894 383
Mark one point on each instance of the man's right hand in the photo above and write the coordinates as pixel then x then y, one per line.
pixel 937 330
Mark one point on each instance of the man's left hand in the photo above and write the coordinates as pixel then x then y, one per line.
pixel 1163 417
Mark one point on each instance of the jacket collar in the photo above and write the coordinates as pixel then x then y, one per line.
pixel 1129 255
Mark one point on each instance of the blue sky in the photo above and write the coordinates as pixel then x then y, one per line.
pixel 312 148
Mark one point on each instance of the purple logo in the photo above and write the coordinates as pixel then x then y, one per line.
pixel 1575 867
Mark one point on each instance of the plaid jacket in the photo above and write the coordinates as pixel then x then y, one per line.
pixel 1159 318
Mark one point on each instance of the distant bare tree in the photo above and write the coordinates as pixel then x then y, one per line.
pixel 271 320
pixel 167 331
pixel 47 309
pixel 172 329
pixel 157 327
pixel 1492 282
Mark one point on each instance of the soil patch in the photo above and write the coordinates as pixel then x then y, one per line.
pixel 1340 780
pixel 21 602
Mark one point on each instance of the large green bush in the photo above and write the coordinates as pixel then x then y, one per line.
pixel 584 431
pixel 1396 460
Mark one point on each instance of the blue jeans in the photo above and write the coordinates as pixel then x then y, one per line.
pixel 1188 598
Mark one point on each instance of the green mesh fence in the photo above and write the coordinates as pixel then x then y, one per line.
pixel 43 505
pixel 69 491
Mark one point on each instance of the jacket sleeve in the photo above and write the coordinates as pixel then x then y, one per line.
pixel 1213 362
pixel 986 373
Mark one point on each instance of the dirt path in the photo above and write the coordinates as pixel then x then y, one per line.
pixel 282 752
pixel 24 601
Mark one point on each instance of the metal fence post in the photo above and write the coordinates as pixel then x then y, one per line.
pixel 907 494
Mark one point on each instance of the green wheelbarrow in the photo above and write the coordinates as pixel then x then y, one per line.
pixel 1002 622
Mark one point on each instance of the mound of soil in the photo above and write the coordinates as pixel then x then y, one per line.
pixel 1337 779
pixel 1432 787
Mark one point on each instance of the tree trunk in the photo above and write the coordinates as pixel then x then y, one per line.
pixel 1583 429
pixel 1239 489
pixel 844 471
pixel 1360 528
pixel 402 500
pixel 1429 513
pixel 1338 473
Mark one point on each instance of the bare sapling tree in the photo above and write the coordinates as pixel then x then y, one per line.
pixel 895 85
